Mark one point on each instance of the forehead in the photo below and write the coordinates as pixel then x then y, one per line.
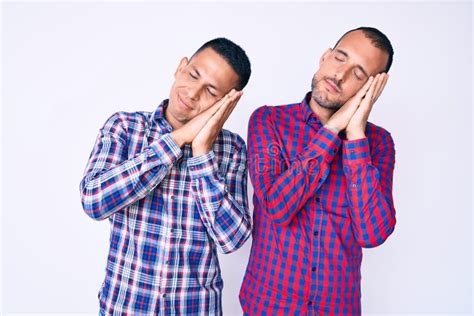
pixel 361 51
pixel 214 69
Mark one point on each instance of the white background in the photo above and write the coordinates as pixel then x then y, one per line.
pixel 67 67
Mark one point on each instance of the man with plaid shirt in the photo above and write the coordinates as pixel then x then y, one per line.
pixel 172 184
pixel 322 177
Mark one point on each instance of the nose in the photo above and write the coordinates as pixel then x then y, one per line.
pixel 341 73
pixel 193 92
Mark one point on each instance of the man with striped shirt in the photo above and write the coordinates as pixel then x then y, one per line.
pixel 172 184
pixel 322 177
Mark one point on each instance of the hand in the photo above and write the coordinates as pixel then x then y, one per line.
pixel 186 133
pixel 356 127
pixel 341 118
pixel 204 140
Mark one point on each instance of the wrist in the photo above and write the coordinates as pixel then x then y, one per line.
pixel 333 129
pixel 178 138
pixel 355 135
pixel 200 150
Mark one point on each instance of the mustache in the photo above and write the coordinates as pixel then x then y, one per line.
pixel 337 83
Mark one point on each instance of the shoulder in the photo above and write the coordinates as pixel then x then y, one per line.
pixel 234 140
pixel 378 136
pixel 126 121
pixel 268 113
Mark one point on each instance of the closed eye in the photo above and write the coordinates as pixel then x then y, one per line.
pixel 339 56
pixel 211 93
pixel 192 75
pixel 359 75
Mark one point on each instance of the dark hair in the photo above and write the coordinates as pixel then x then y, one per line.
pixel 234 55
pixel 379 40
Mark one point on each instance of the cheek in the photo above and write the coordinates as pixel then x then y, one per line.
pixel 325 70
pixel 349 92
pixel 352 88
pixel 204 105
pixel 317 76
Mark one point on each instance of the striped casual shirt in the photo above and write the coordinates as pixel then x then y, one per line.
pixel 319 199
pixel 169 212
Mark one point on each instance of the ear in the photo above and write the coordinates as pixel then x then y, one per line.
pixel 325 55
pixel 183 63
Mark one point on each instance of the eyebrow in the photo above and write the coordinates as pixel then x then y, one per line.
pixel 199 75
pixel 358 66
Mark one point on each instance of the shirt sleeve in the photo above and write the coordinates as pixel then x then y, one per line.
pixel 283 187
pixel 369 189
pixel 112 181
pixel 222 199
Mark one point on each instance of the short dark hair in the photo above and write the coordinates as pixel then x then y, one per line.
pixel 378 39
pixel 234 55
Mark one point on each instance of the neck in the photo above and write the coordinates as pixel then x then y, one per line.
pixel 175 124
pixel 323 113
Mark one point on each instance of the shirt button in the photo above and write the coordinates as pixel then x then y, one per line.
pixel 164 295
pixel 172 197
pixel 354 185
pixel 167 262
pixel 313 269
pixel 317 199
pixel 309 303
pixel 316 233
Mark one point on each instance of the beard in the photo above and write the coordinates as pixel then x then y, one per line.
pixel 320 97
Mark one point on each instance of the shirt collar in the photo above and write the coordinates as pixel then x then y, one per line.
pixel 159 112
pixel 158 116
pixel 305 109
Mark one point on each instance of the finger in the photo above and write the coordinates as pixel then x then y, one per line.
pixel 203 117
pixel 227 112
pixel 231 107
pixel 218 109
pixel 378 84
pixel 365 87
pixel 367 100
pixel 222 118
pixel 379 87
pixel 211 111
pixel 384 83
pixel 220 113
pixel 382 87
pixel 353 103
pixel 225 99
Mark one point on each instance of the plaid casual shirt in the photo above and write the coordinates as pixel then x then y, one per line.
pixel 315 206
pixel 168 211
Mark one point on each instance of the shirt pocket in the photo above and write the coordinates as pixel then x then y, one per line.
pixel 333 193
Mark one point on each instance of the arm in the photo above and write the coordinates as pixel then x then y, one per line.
pixel 222 201
pixel 369 178
pixel 369 189
pixel 283 191
pixel 112 181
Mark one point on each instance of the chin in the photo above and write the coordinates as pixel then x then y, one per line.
pixel 330 106
pixel 325 103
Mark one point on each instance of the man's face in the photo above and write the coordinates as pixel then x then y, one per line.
pixel 199 83
pixel 344 70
